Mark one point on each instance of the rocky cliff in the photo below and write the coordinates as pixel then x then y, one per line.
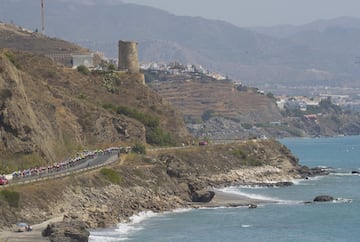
pixel 48 112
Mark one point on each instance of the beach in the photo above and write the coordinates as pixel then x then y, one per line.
pixel 12 235
pixel 221 199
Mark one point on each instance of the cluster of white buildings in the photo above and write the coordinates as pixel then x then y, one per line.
pixel 176 68
pixel 297 102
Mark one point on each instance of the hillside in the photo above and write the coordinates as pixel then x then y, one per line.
pixel 15 37
pixel 159 181
pixel 222 110
pixel 49 112
pixel 194 97
pixel 256 59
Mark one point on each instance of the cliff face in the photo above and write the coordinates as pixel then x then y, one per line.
pixel 48 112
pixel 159 181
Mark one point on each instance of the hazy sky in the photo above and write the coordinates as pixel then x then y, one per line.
pixel 246 13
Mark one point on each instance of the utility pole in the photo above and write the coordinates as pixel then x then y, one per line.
pixel 42 18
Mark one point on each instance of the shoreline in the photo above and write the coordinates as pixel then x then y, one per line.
pixel 33 236
pixel 221 199
pixel 228 199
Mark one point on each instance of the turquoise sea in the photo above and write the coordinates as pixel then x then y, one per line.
pixel 288 220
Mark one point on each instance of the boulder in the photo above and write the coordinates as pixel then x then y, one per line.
pixel 202 196
pixel 323 198
pixel 74 231
pixel 355 172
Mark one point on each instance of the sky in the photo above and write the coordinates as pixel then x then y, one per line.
pixel 250 13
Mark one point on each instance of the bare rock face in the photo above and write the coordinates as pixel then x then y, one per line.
pixel 74 231
pixel 323 198
pixel 202 196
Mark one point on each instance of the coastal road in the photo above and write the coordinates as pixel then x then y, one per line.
pixel 81 166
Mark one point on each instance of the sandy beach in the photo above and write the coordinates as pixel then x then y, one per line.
pixel 13 235
pixel 225 199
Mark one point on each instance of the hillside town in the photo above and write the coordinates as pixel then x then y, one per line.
pixel 176 68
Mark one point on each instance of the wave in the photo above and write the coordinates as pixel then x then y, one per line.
pixel 342 200
pixel 123 230
pixel 108 237
pixel 234 190
pixel 343 172
pixel 246 226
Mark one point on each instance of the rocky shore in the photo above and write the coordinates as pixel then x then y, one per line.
pixel 158 181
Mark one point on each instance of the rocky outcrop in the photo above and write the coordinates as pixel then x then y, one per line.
pixel 323 198
pixel 202 196
pixel 70 231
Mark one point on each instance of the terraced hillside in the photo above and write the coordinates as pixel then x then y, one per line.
pixel 220 98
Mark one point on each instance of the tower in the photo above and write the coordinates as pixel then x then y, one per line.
pixel 42 17
pixel 128 56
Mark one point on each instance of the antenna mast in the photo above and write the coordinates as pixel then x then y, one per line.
pixel 42 17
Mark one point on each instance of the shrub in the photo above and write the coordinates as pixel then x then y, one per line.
pixel 147 120
pixel 82 96
pixel 11 197
pixel 83 69
pixel 111 67
pixel 270 95
pixel 254 162
pixel 13 60
pixel 111 175
pixel 109 106
pixel 139 148
pixel 239 153
pixel 158 136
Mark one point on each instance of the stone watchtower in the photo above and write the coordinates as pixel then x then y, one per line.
pixel 128 56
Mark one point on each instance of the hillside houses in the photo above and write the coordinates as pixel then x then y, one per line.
pixel 176 68
pixel 297 103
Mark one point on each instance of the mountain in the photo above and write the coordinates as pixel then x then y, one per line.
pixel 254 58
pixel 285 31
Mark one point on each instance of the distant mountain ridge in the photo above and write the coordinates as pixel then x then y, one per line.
pixel 254 58
pixel 285 31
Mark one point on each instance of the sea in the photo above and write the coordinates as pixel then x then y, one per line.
pixel 287 218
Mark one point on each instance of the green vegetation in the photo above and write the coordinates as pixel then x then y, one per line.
pixel 253 162
pixel 83 69
pixel 139 149
pixel 111 175
pixel 111 67
pixel 11 197
pixel 155 135
pixel 148 120
pixel 270 95
pixel 247 159
pixel 158 136
pixel 110 107
pixel 13 60
pixel 239 153
pixel 82 96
